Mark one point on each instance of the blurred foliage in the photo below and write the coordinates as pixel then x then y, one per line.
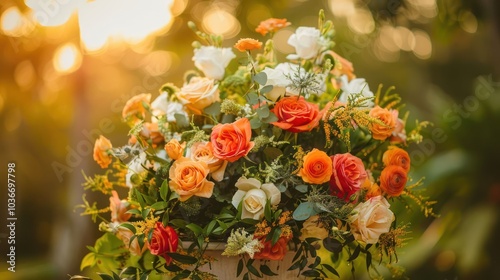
pixel 48 117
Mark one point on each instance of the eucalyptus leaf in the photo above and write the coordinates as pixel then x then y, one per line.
pixel 304 211
pixel 260 78
pixel 181 120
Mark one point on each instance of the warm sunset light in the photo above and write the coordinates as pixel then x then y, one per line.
pixel 12 22
pixel 219 21
pixel 130 21
pixel 67 58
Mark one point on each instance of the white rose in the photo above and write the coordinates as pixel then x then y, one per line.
pixel 277 77
pixel 355 86
pixel 136 166
pixel 212 61
pixel 370 219
pixel 254 195
pixel 198 94
pixel 162 106
pixel 307 42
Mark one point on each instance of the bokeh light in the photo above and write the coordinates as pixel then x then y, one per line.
pixel 67 58
pixel 221 22
pixel 14 24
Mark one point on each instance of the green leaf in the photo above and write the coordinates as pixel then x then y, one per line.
pixel 295 265
pixel 240 268
pixel 304 211
pixel 78 277
pixel 195 228
pixel 173 268
pixel 164 190
pixel 210 227
pixel 272 153
pixel 266 270
pixel 160 205
pixel 139 197
pixel 89 260
pixel 213 109
pixel 311 273
pixel 129 227
pixel 255 123
pixel 332 245
pixel 105 276
pixel 267 211
pixel 260 78
pixel 253 270
pixel 178 223
pixel 128 271
pixel 271 118
pixel 252 98
pixel 276 236
pixel 331 269
pixel 134 211
pixel 355 254
pixel 302 188
pixel 266 89
pixel 183 258
pixel 368 260
pixel 145 213
pixel 263 112
pixel 181 120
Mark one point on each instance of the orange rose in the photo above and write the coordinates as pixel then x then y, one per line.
pixel 296 114
pixel 231 141
pixel 271 25
pixel 134 108
pixel 274 252
pixel 202 151
pixel 118 208
pixel 317 167
pixel 189 177
pixel 247 44
pixel 101 148
pixel 198 94
pixel 174 149
pixel 393 180
pixel 397 156
pixel 124 234
pixel 382 131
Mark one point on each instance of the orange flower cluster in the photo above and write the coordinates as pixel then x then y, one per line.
pixel 271 25
pixel 247 44
pixel 395 174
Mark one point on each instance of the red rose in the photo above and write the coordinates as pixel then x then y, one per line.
pixel 295 114
pixel 164 240
pixel 270 252
pixel 348 175
pixel 231 141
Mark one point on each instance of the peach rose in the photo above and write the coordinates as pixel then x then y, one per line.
pixel 296 114
pixel 271 25
pixel 399 134
pixel 370 219
pixel 342 66
pixel 189 177
pixel 101 147
pixel 247 44
pixel 397 156
pixel 151 131
pixel 164 240
pixel 134 108
pixel 118 208
pixel 198 94
pixel 274 252
pixel 312 227
pixel 393 180
pixel 317 167
pixel 202 151
pixel 382 131
pixel 174 149
pixel 348 175
pixel 124 234
pixel 231 141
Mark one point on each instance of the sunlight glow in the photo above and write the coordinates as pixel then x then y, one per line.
pixel 221 22
pixel 130 21
pixel 67 58
pixel 13 23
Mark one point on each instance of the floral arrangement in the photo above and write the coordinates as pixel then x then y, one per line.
pixel 265 156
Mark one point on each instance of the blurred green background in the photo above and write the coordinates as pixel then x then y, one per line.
pixel 68 67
